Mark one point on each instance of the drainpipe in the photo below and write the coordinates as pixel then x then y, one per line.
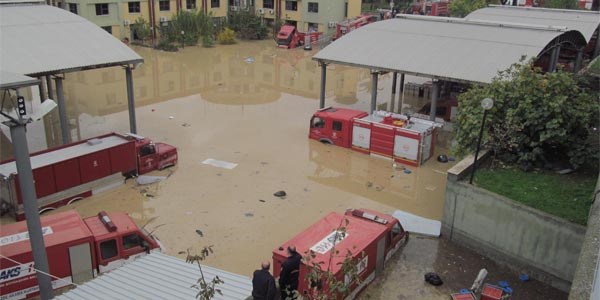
pixel 401 93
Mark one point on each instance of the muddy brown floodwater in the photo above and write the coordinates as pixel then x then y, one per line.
pixel 248 104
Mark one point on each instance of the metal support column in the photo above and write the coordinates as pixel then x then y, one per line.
pixel 42 90
pixel 401 100
pixel 130 99
pixel 393 101
pixel 49 84
pixel 435 91
pixel 374 78
pixel 554 58
pixel 62 110
pixel 323 80
pixel 36 238
pixel 578 60
pixel 597 48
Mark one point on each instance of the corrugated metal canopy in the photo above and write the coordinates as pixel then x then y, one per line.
pixel 586 22
pixel 38 39
pixel 10 80
pixel 444 48
pixel 158 276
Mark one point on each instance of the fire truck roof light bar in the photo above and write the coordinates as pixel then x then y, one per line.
pixel 108 223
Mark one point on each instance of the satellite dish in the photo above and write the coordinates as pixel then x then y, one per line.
pixel 487 103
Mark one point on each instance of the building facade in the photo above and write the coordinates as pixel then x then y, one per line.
pixel 117 16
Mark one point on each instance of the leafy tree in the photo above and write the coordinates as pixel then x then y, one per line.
pixel 324 285
pixel 226 37
pixel 461 8
pixel 192 24
pixel 537 118
pixel 248 25
pixel 564 4
pixel 206 290
pixel 141 29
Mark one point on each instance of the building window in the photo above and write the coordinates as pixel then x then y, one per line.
pixel 190 4
pixel 268 3
pixel 164 5
pixel 313 7
pixel 291 5
pixel 73 7
pixel 215 3
pixel 101 9
pixel 107 28
pixel 134 7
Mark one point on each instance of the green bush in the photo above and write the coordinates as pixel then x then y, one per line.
pixel 248 25
pixel 538 118
pixel 207 41
pixel 226 37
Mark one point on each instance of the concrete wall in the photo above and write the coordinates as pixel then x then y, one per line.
pixel 586 282
pixel 544 246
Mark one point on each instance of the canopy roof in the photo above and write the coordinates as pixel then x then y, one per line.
pixel 10 80
pixel 586 22
pixel 37 39
pixel 445 48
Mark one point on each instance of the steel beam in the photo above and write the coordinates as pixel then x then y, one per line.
pixel 130 99
pixel 62 110
pixel 374 78
pixel 323 82
pixel 435 91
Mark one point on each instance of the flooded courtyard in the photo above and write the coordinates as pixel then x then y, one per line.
pixel 250 104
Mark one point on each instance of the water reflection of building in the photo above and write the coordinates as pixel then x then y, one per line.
pixel 226 76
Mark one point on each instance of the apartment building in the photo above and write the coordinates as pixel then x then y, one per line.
pixel 117 16
pixel 307 15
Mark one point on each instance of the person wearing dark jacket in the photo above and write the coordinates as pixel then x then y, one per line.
pixel 288 279
pixel 263 283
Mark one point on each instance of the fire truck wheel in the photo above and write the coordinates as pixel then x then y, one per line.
pixel 47 209
pixel 74 200
pixel 326 141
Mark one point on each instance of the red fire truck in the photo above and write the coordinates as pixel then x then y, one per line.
pixel 289 37
pixel 406 140
pixel 71 172
pixel 346 26
pixel 371 237
pixel 78 250
pixel 437 8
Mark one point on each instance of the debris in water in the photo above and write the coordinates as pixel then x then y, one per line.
pixel 261 200
pixel 264 163
pixel 249 60
pixel 199 232
pixel 181 252
pixel 219 163
pixel 442 158
pixel 145 180
pixel 306 189
pixel 378 188
pixel 407 171
pixel 148 195
pixel 186 125
pixel 369 184
pixel 188 213
pixel 249 215
pixel 430 188
pixel 171 117
pixel 524 277
pixel 433 278
pixel 417 224
pixel 451 158
pixel 280 194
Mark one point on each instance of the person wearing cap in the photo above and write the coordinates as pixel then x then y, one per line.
pixel 263 283
pixel 288 279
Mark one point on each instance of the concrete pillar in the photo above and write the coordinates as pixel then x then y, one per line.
pixel 130 99
pixel 578 59
pixel 49 84
pixel 435 91
pixel 393 101
pixel 323 82
pixel 62 110
pixel 30 205
pixel 374 78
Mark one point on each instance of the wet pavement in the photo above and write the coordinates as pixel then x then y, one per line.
pixel 250 104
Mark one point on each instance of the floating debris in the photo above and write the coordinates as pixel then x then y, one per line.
pixel 219 163
pixel 261 200
pixel 407 171
pixel 280 194
pixel 249 215
pixel 145 180
pixel 199 232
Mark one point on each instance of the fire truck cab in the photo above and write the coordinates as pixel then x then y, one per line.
pixel 334 125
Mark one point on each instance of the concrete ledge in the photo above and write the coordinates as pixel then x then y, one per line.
pixel 586 282
pixel 463 167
